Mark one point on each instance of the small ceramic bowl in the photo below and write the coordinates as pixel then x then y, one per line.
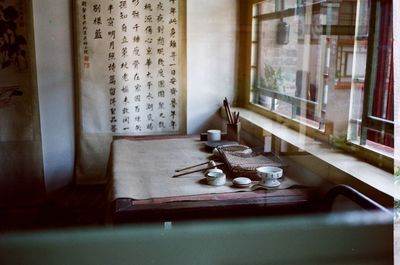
pixel 216 178
pixel 269 176
pixel 269 172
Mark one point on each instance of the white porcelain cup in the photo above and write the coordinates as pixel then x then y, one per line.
pixel 213 135
pixel 215 178
pixel 269 176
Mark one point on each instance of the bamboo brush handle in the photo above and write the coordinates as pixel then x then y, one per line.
pixel 197 170
pixel 182 169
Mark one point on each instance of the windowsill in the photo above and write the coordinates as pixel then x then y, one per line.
pixel 363 171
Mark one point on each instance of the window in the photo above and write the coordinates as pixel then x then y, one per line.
pixel 326 62
pixel 372 109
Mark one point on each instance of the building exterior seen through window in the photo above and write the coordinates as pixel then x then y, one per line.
pixel 327 63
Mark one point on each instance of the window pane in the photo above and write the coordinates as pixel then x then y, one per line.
pixel 317 62
pixel 303 54
pixel 359 62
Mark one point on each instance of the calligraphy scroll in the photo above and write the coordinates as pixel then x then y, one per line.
pixel 130 73
pixel 129 66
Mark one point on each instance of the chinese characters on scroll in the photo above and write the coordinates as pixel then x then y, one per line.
pixel 129 66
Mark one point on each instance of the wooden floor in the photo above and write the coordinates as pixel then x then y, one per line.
pixel 70 208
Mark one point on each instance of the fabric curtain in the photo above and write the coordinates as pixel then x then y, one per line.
pixel 383 93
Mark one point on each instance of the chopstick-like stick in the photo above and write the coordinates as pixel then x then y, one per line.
pixel 230 113
pixel 178 170
pixel 230 118
pixel 197 170
pixel 237 118
pixel 226 110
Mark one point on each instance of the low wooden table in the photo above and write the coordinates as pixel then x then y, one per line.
pixel 125 208
pixel 283 202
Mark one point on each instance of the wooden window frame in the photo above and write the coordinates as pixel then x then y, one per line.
pixel 244 100
pixel 370 122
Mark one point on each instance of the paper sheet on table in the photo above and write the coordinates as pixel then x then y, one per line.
pixel 144 170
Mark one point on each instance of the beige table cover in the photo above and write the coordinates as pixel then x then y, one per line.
pixel 144 169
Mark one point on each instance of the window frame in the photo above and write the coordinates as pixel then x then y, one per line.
pixel 244 97
pixel 369 121
pixel 295 101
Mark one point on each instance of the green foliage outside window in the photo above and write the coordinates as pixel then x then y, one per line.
pixel 272 79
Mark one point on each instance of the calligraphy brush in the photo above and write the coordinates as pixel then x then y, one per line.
pixel 182 169
pixel 197 170
pixel 228 110
pixel 237 117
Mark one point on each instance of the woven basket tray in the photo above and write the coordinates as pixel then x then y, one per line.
pixel 243 161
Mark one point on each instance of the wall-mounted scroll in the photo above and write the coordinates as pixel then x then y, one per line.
pixel 131 75
pixel 21 164
pixel 16 93
pixel 130 62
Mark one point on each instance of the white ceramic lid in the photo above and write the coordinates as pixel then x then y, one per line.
pixel 214 170
pixel 215 174
pixel 241 181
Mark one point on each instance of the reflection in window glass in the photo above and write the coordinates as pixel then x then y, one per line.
pixel 309 63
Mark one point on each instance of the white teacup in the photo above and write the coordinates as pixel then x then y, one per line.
pixel 216 178
pixel 269 176
pixel 213 135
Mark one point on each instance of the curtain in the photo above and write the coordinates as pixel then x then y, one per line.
pixel 383 92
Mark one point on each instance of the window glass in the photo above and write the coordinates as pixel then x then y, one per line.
pixel 309 64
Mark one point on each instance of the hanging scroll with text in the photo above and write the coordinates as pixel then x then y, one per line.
pixel 129 66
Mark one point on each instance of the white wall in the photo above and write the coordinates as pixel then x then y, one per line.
pixel 54 62
pixel 211 51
